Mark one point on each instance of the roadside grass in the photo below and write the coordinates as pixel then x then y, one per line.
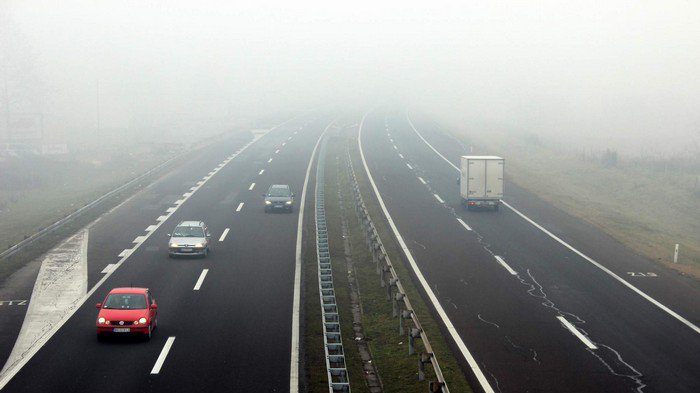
pixel 398 370
pixel 649 210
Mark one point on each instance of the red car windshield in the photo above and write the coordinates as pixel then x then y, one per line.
pixel 125 301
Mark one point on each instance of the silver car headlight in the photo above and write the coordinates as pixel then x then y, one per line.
pixel 199 245
pixel 173 245
pixel 288 202
pixel 268 202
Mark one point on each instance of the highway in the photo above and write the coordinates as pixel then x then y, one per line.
pixel 225 322
pixel 536 315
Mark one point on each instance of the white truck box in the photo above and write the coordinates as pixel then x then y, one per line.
pixel 481 181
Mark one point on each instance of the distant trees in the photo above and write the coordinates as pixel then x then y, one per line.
pixel 609 158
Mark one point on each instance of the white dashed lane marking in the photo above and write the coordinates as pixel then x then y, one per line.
pixel 261 172
pixel 139 239
pixel 464 224
pixel 163 355
pixel 270 160
pixel 151 228
pixel 277 151
pixel 409 166
pixel 576 332
pixel 438 198
pixel 251 187
pixel 401 155
pixel 200 281
pixel 108 268
pixel 421 180
pixel 240 207
pixel 223 235
pixel 505 265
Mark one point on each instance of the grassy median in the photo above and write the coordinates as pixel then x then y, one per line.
pixel 397 369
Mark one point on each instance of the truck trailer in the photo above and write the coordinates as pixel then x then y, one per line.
pixel 481 181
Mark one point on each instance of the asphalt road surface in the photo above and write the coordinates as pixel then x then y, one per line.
pixel 233 333
pixel 511 290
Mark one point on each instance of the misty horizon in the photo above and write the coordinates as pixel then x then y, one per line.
pixel 619 76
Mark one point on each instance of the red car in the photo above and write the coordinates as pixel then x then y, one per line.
pixel 127 311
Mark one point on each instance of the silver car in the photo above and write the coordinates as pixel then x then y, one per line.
pixel 279 197
pixel 189 238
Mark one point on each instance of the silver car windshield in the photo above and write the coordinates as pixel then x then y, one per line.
pixel 188 232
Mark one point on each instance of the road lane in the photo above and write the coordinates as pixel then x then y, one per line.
pixel 227 327
pixel 531 345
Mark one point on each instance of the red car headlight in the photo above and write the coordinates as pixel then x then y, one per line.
pixel 142 320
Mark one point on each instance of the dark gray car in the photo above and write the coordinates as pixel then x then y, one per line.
pixel 279 197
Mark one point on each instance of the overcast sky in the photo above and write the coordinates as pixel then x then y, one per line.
pixel 605 71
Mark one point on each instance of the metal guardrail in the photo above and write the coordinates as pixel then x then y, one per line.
pixel 408 321
pixel 337 372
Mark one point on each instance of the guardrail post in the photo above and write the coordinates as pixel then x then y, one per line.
pixel 398 299
pixel 412 336
pixel 390 285
pixel 381 261
pixel 385 270
pixel 405 314
pixel 425 357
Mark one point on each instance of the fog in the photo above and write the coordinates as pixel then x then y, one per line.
pixel 621 74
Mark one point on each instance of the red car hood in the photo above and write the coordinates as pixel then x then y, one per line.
pixel 122 315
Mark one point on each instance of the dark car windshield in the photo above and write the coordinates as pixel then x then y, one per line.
pixel 188 232
pixel 279 192
pixel 126 301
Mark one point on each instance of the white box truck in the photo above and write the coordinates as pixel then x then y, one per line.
pixel 481 181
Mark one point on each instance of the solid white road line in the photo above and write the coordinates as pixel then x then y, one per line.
pixel 179 201
pixel 464 224
pixel 296 313
pixel 505 265
pixel 424 283
pixel 421 180
pixel 606 270
pixel 261 172
pixel 270 160
pixel 409 166
pixel 200 280
pixel 251 187
pixel 163 355
pixel 10 370
pixel 438 198
pixel 576 332
pixel 170 209
pixel 401 155
pixel 151 228
pixel 579 253
pixel 140 239
pixel 108 268
pixel 161 218
pixel 125 253
pixel 223 235
pixel 240 206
